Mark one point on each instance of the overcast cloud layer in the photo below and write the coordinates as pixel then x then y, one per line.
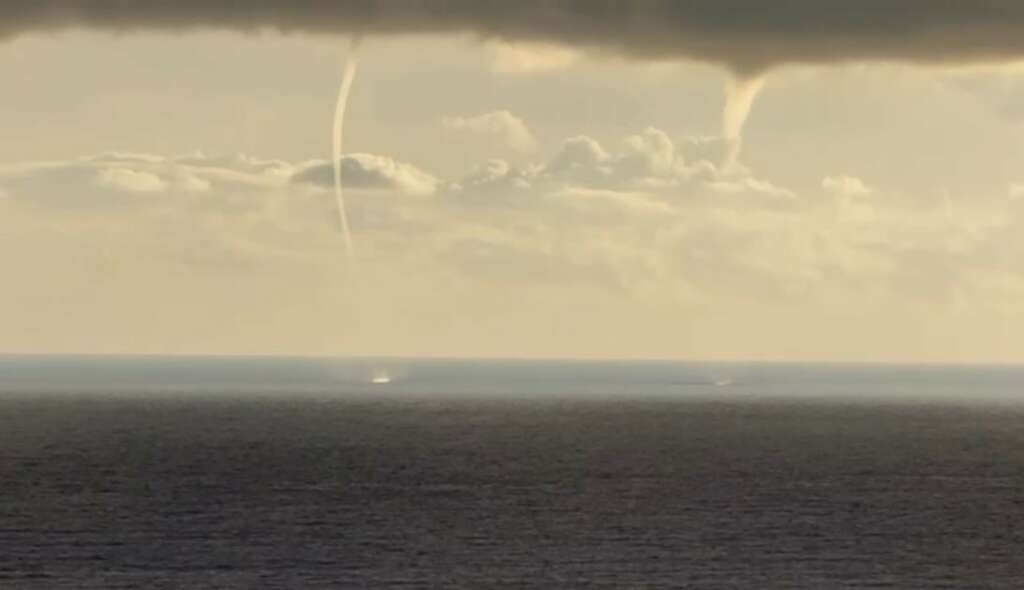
pixel 743 34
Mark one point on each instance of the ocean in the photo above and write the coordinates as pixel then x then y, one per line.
pixel 249 473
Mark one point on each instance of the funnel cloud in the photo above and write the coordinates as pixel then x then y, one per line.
pixel 337 138
pixel 744 35
pixel 740 95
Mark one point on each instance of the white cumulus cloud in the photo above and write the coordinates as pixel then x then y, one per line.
pixel 130 181
pixel 845 186
pixel 648 162
pixel 502 125
pixel 370 172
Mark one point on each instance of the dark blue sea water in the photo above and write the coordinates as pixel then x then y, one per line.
pixel 258 473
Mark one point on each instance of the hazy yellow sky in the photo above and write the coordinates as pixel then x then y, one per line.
pixel 169 193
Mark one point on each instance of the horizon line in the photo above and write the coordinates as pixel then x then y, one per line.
pixel 509 359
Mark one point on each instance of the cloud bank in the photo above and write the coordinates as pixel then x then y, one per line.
pixel 646 165
pixel 746 35
pixel 645 230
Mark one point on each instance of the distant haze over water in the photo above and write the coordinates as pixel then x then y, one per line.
pixel 489 378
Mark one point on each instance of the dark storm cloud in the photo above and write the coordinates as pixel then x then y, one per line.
pixel 744 34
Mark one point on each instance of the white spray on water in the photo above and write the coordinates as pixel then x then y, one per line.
pixel 739 99
pixel 349 76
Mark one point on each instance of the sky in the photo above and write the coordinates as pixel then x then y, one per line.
pixel 166 185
